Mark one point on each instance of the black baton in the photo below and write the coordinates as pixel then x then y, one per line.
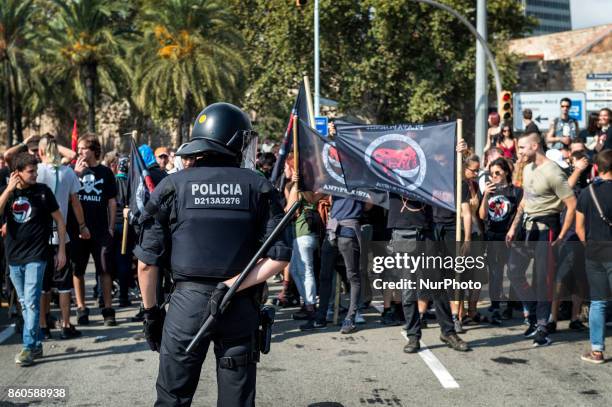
pixel 228 296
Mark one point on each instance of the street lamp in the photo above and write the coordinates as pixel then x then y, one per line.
pixel 317 94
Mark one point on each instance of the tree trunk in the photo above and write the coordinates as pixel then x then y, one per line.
pixel 186 119
pixel 18 109
pixel 90 88
pixel 8 100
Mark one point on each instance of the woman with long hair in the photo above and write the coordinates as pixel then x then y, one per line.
pixel 470 202
pixel 589 135
pixel 497 210
pixel 65 185
pixel 306 242
pixel 604 137
pixel 507 142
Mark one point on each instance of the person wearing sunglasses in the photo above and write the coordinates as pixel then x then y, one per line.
pixel 563 129
pixel 497 210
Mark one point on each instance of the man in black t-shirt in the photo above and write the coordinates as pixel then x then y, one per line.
pixel 98 198
pixel 29 209
pixel 594 228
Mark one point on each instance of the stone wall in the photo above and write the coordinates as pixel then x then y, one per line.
pixel 563 74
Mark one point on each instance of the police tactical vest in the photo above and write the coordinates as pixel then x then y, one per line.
pixel 218 220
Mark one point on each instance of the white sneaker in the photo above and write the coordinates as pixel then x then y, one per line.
pixel 359 319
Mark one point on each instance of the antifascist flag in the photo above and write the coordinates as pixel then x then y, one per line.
pixel 320 169
pixel 416 161
pixel 140 183
pixel 300 108
pixel 75 136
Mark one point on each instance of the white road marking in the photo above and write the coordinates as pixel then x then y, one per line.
pixel 444 377
pixel 7 333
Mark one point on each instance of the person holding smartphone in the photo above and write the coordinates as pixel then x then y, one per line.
pixel 497 210
pixel 30 208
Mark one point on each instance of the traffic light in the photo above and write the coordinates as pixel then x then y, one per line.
pixel 505 106
pixel 300 3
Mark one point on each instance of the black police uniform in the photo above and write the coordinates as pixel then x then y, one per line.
pixel 216 216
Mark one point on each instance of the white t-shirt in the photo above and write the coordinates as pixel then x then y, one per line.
pixel 63 182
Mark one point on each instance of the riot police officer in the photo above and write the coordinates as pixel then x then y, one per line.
pixel 213 216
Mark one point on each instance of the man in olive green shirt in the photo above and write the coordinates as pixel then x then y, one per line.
pixel 546 194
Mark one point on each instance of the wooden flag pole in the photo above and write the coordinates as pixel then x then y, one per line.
pixel 125 235
pixel 309 102
pixel 337 299
pixel 459 164
pixel 296 152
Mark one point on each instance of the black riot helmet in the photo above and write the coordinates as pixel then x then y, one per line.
pixel 221 128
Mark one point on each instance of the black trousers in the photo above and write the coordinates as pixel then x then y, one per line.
pixel 348 248
pixel 400 243
pixel 234 345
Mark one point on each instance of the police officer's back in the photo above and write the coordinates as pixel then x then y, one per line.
pixel 215 215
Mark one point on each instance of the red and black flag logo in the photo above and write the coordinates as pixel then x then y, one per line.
pixel 415 161
pixel 321 169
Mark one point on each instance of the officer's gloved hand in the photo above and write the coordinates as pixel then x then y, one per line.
pixel 214 307
pixel 215 299
pixel 153 326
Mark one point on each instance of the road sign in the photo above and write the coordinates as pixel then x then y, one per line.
pixel 597 105
pixel 321 125
pixel 598 76
pixel 599 91
pixel 546 106
pixel 599 85
pixel 599 95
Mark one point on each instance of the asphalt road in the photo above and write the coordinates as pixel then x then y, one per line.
pixel 110 366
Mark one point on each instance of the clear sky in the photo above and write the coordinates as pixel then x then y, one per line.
pixel 587 13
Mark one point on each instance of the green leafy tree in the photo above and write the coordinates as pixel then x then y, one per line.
pixel 15 34
pixel 388 61
pixel 84 45
pixel 189 56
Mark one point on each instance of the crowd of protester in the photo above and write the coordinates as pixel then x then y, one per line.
pixel 568 171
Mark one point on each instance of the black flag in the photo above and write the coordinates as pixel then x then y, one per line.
pixel 320 169
pixel 416 161
pixel 300 108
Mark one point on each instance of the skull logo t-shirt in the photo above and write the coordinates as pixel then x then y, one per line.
pixel 97 187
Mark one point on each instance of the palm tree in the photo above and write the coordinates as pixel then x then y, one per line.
pixel 15 32
pixel 85 45
pixel 189 55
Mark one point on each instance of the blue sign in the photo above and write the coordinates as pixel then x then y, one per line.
pixel 577 110
pixel 321 125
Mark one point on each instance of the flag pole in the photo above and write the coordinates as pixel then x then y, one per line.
pixel 125 235
pixel 296 152
pixel 459 164
pixel 311 116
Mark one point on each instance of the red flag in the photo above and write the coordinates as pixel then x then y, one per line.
pixel 75 136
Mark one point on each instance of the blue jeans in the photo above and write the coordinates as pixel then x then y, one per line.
pixel 302 267
pixel 600 282
pixel 27 279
